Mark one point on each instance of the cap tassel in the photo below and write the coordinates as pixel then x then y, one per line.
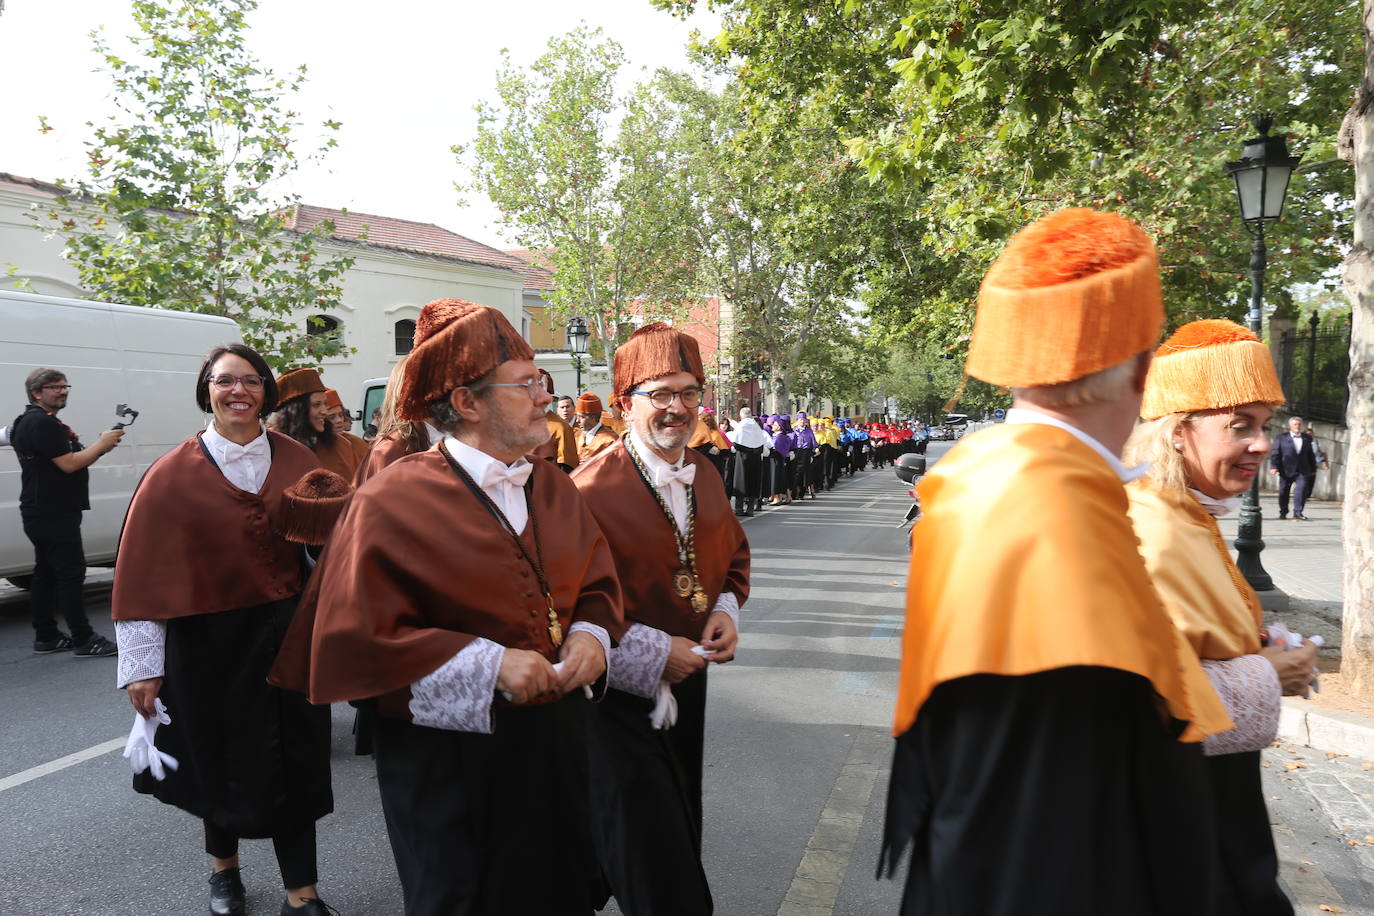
pixel 311 507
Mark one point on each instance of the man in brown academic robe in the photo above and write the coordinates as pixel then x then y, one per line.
pixel 592 436
pixel 452 585
pixel 561 445
pixel 684 566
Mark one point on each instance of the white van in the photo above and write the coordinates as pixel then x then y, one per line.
pixel 111 354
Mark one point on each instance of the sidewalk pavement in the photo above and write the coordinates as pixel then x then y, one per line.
pixel 1304 559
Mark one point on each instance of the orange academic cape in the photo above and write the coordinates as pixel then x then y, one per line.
pixel 1207 597
pixel 603 440
pixel 645 550
pixel 184 509
pixel 561 446
pixel 417 568
pixel 1025 561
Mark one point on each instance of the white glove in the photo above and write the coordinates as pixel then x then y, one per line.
pixel 140 751
pixel 664 714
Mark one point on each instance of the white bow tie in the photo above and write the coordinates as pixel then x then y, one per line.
pixel 683 475
pixel 255 449
pixel 516 476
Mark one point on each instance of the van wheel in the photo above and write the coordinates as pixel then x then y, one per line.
pixel 20 581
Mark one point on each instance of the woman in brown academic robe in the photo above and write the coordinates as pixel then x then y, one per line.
pixel 303 413
pixel 205 586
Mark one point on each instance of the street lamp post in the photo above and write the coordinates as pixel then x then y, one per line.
pixel 578 335
pixel 1261 178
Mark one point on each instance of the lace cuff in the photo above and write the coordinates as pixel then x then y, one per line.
pixel 728 603
pixel 1249 689
pixel 637 662
pixel 598 688
pixel 457 695
pixel 141 650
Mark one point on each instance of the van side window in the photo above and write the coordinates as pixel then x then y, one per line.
pixel 405 336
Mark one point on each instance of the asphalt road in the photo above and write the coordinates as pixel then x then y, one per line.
pixel 796 759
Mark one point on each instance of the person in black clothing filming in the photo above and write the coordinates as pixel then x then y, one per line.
pixel 53 494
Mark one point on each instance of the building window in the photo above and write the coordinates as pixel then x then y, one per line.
pixel 405 336
pixel 325 326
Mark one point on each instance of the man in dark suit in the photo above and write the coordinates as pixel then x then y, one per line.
pixel 1294 460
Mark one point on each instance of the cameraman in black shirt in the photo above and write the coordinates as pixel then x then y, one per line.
pixel 54 492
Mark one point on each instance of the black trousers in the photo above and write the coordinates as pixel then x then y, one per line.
pixel 1248 884
pixel 492 825
pixel 295 853
pixel 646 802
pixel 1286 484
pixel 59 572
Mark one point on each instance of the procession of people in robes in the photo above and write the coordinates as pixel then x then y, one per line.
pixel 523 600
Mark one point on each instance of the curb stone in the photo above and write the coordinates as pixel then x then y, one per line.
pixel 1331 730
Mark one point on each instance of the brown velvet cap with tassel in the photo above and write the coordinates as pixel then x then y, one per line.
pixel 456 343
pixel 311 506
pixel 296 383
pixel 655 350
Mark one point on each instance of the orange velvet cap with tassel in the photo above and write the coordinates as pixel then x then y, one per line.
pixel 588 403
pixel 1073 293
pixel 1208 365
pixel 296 383
pixel 311 506
pixel 456 343
pixel 655 350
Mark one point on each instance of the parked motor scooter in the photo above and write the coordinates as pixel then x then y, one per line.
pixel 909 469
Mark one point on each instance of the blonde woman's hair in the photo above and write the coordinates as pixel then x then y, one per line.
pixel 1154 441
pixel 390 426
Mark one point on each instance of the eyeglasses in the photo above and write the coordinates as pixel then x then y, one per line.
pixel 533 387
pixel 662 398
pixel 226 381
pixel 57 387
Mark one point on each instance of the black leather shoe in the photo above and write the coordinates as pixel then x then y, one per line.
pixel 1302 518
pixel 1283 515
pixel 226 893
pixel 313 907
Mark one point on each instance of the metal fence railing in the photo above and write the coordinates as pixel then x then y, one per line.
pixel 1314 366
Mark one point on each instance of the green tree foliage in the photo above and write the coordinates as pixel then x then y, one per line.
pixel 609 214
pixel 979 115
pixel 175 210
pixel 925 376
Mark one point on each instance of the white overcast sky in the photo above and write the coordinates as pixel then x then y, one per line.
pixel 402 76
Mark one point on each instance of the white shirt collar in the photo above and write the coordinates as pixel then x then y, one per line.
pixel 651 459
pixel 1215 507
pixel 434 434
pixel 1018 415
pixel 245 466
pixel 508 499
pixel 588 433
pixel 674 492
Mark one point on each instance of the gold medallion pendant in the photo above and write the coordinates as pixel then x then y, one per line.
pixel 698 602
pixel 555 628
pixel 683 583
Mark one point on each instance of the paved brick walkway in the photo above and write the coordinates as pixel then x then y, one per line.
pixel 1304 558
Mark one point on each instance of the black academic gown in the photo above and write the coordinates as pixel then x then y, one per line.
pixel 1060 793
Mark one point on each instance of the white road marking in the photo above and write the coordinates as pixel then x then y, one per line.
pixel 61 763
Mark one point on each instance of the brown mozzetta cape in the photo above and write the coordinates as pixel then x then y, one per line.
pixel 603 440
pixel 184 509
pixel 383 451
pixel 646 551
pixel 561 446
pixel 418 568
pixel 343 455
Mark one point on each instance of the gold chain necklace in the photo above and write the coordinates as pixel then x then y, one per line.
pixel 686 581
